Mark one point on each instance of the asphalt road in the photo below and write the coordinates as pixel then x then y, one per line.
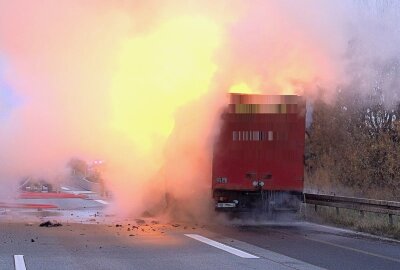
pixel 90 240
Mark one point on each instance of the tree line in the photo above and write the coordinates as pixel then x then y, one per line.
pixel 353 145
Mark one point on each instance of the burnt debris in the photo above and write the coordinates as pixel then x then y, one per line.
pixel 50 224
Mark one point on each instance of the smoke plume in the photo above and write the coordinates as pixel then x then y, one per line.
pixel 140 84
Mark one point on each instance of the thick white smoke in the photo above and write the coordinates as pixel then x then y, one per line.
pixel 140 84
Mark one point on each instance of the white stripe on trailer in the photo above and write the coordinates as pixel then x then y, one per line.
pixel 65 188
pixel 19 262
pixel 101 201
pixel 224 247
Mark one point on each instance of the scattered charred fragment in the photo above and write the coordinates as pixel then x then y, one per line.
pixel 259 155
pixel 140 222
pixel 50 224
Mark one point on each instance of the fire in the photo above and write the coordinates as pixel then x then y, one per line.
pixel 287 77
pixel 290 75
pixel 242 88
pixel 141 84
pixel 157 74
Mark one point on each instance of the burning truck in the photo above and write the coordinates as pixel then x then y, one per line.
pixel 258 160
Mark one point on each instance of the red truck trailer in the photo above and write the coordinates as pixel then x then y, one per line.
pixel 258 160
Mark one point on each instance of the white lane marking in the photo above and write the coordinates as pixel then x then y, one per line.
pixel 78 192
pixel 273 257
pixel 224 247
pixel 69 190
pixel 353 232
pixel 82 192
pixel 19 262
pixel 101 201
pixel 356 250
pixel 346 247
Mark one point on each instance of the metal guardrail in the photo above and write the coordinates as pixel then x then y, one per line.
pixel 361 204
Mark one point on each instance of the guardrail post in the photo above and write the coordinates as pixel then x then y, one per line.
pixel 362 213
pixel 390 219
pixel 337 211
pixel 315 207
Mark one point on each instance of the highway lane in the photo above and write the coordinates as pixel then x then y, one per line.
pixel 326 247
pixel 90 239
pixel 167 246
pixel 88 246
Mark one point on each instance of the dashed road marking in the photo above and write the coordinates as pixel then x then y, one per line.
pixel 101 201
pixel 273 259
pixel 19 262
pixel 224 247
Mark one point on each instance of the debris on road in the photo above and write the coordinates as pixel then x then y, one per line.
pixel 50 224
pixel 140 221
